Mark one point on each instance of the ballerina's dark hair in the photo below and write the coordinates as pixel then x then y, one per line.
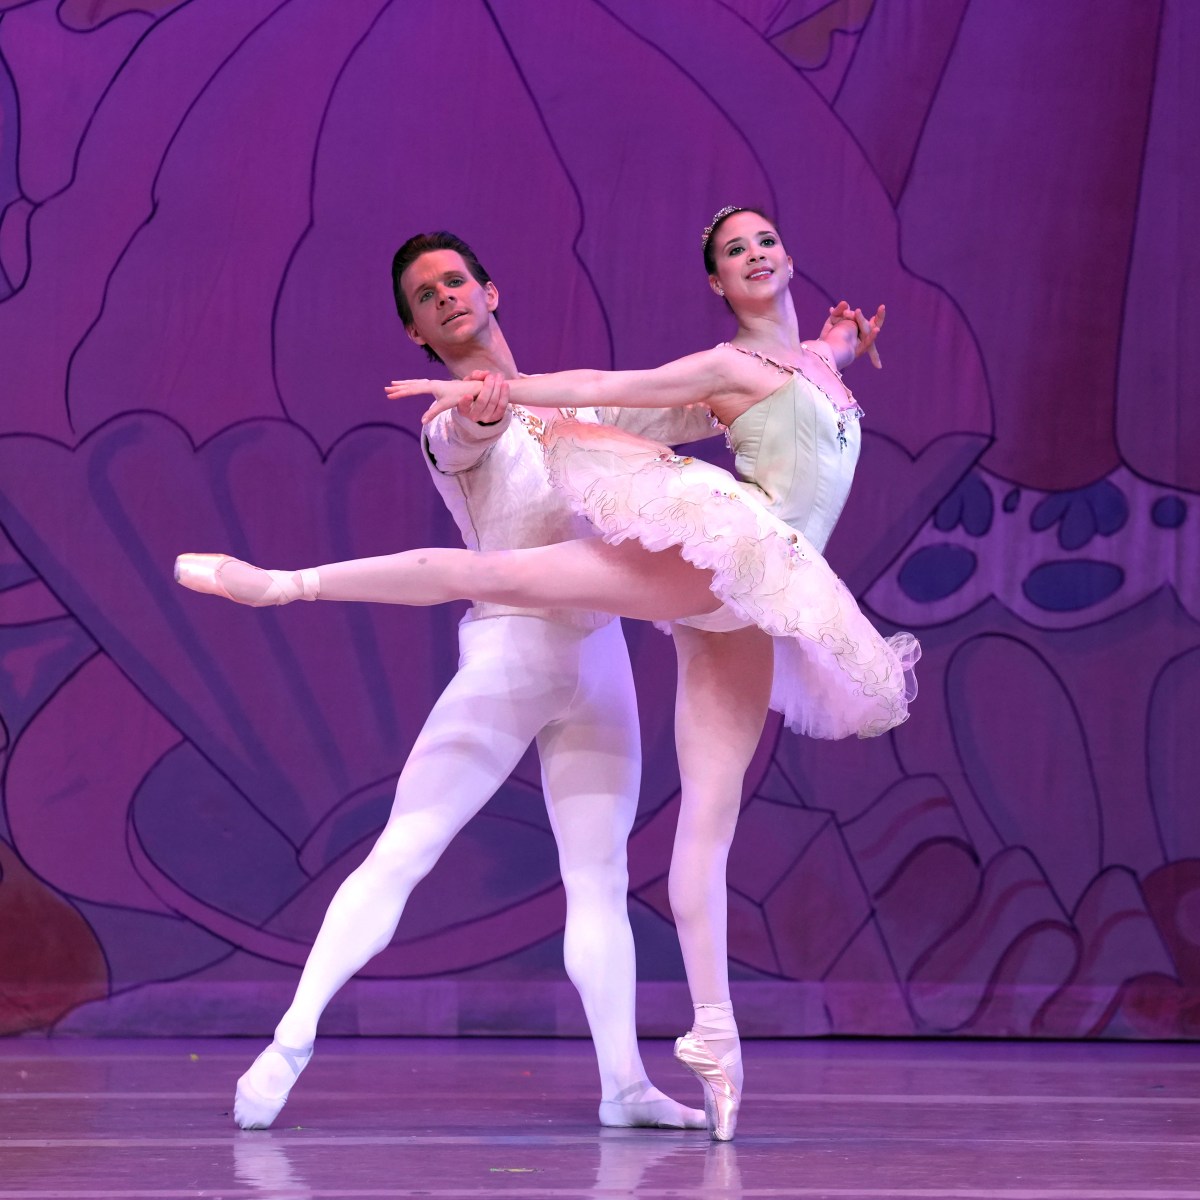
pixel 710 233
pixel 424 243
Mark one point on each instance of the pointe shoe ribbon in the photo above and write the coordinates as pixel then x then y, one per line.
pixel 252 1109
pixel 202 573
pixel 721 1095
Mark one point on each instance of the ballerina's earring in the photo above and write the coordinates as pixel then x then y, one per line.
pixel 720 290
pixel 791 272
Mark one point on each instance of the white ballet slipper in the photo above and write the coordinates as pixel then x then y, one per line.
pixel 252 1109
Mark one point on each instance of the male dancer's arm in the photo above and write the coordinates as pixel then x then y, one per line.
pixel 453 443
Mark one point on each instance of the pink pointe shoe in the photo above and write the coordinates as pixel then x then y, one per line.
pixel 202 573
pixel 722 1097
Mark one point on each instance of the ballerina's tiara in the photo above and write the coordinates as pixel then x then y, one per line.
pixel 718 217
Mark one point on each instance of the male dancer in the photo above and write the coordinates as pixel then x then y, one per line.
pixel 560 677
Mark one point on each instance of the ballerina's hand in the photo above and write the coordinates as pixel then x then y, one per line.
pixel 840 312
pixel 868 331
pixel 446 393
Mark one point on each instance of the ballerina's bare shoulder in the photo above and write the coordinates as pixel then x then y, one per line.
pixel 752 377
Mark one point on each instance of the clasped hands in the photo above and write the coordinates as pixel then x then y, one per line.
pixel 480 396
pixel 867 329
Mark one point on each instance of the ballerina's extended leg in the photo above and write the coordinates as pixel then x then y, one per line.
pixel 587 573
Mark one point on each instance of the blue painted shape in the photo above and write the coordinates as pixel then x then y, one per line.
pixel 935 572
pixel 1070 585
pixel 203 834
pixel 1168 512
pixel 978 508
pixel 14 574
pixel 1049 511
pixel 969 505
pixel 1011 500
pixel 51 651
pixel 947 514
pixel 1078 525
pixel 1109 506
pixel 1100 508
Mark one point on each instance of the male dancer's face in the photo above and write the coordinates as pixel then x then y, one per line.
pixel 450 308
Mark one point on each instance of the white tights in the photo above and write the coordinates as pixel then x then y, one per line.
pixel 724 686
pixel 587 573
pixel 519 678
pixel 720 707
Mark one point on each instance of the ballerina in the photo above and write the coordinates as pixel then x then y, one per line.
pixel 758 616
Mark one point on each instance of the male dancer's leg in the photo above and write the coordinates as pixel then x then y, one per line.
pixel 721 704
pixel 591 770
pixel 505 690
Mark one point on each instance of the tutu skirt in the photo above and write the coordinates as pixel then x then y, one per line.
pixel 835 674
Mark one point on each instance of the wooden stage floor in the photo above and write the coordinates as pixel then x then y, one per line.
pixel 481 1118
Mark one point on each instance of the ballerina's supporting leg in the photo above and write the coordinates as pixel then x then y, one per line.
pixel 721 705
pixel 587 573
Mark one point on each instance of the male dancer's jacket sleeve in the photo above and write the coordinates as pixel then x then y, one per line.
pixel 454 443
pixel 492 479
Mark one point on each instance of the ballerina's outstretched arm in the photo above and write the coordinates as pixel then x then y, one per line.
pixel 717 378
pixel 709 377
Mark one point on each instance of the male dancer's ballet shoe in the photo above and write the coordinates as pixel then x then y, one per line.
pixel 202 573
pixel 655 1112
pixel 253 1110
pixel 722 1097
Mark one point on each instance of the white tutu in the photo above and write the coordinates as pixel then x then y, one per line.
pixel 835 674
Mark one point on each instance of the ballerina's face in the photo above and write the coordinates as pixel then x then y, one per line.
pixel 751 263
pixel 450 307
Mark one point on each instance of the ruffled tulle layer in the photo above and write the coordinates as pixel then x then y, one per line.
pixel 835 674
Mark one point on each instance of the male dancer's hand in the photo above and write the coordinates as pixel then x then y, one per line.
pixel 492 402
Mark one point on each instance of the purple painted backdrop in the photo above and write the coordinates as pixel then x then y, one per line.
pixel 198 205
